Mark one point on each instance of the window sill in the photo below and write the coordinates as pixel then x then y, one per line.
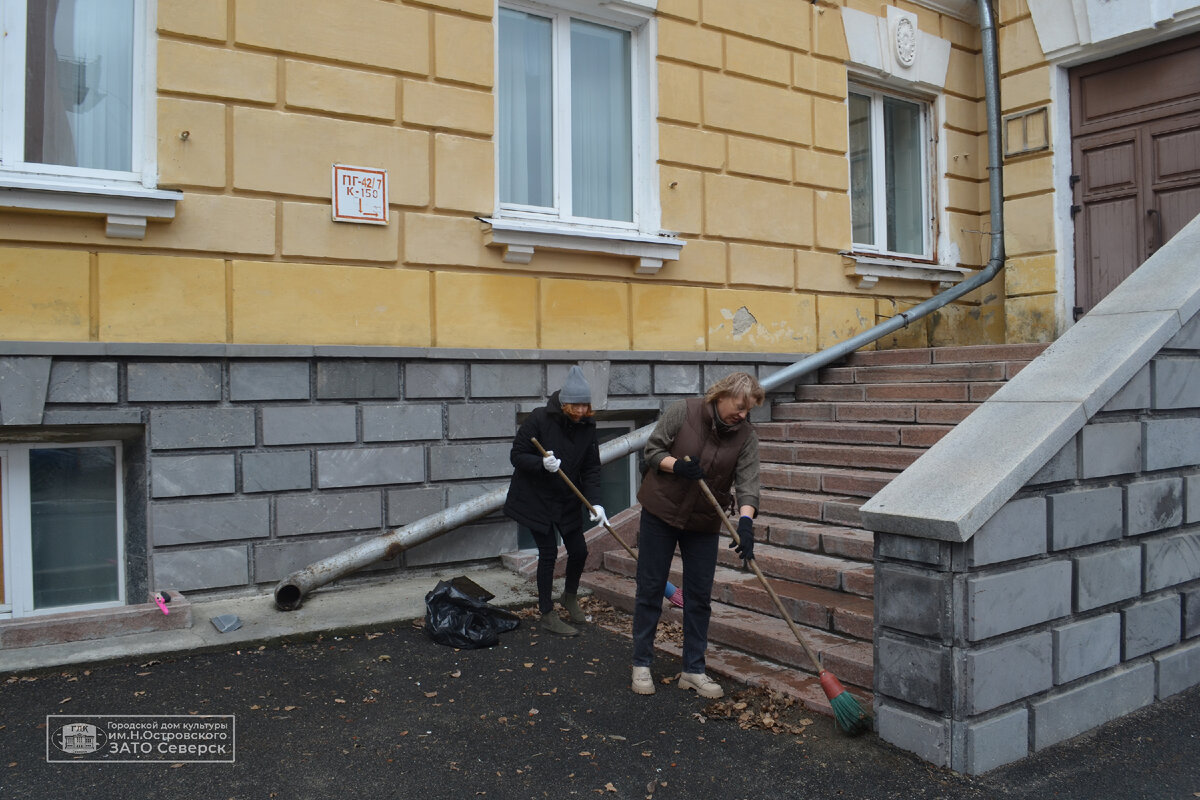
pixel 869 269
pixel 125 208
pixel 521 239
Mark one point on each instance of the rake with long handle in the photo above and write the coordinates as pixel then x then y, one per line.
pixel 671 591
pixel 849 714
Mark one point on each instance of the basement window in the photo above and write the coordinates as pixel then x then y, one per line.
pixel 61 528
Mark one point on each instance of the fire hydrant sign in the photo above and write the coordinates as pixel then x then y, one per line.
pixel 360 194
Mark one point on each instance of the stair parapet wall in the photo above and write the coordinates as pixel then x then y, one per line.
pixel 1038 569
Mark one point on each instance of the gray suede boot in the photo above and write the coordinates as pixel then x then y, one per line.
pixel 552 623
pixel 571 603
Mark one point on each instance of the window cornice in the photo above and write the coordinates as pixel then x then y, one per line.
pixel 521 239
pixel 125 208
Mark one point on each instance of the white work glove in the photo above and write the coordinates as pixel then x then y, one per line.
pixel 550 462
pixel 597 515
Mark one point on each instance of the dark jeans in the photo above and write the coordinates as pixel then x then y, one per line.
pixel 547 544
pixel 656 547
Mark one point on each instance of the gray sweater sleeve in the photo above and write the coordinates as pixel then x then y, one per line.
pixel 745 476
pixel 661 438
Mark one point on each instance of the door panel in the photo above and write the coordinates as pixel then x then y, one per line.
pixel 1177 208
pixel 1177 152
pixel 1113 243
pixel 1109 230
pixel 1109 166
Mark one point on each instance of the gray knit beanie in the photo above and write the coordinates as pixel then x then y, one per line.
pixel 575 388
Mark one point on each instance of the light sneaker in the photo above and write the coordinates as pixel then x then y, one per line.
pixel 552 623
pixel 642 682
pixel 704 685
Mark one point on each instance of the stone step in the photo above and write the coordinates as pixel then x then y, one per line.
pixel 887 392
pixel 854 544
pixel 780 563
pixel 766 636
pixel 923 373
pixel 837 455
pixel 830 480
pixel 726 662
pixel 920 413
pixel 834 509
pixel 901 435
pixel 947 355
pixel 813 606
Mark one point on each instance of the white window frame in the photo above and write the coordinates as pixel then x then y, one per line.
pixel 625 426
pixel 125 199
pixel 878 176
pixel 18 536
pixel 522 230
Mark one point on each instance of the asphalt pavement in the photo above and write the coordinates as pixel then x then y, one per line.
pixel 363 707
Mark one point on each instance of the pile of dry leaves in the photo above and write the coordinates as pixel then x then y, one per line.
pixel 760 708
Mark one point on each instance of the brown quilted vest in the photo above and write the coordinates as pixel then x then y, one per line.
pixel 680 502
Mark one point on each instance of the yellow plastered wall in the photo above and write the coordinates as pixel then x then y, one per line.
pixel 256 101
pixel 1030 278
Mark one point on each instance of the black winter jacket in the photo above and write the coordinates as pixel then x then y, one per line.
pixel 538 499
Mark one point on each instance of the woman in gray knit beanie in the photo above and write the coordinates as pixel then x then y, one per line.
pixel 542 501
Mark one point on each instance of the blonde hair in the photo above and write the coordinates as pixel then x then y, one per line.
pixel 736 384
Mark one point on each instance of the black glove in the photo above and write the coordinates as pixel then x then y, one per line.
pixel 745 531
pixel 688 469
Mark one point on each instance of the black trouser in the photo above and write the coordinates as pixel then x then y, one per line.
pixel 547 544
pixel 656 548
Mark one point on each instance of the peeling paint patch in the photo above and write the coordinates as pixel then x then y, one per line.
pixel 743 321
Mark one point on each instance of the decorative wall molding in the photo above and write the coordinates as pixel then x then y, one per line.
pixel 1086 29
pixel 894 49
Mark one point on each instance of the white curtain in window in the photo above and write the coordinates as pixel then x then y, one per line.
pixel 862 183
pixel 79 85
pixel 601 122
pixel 526 110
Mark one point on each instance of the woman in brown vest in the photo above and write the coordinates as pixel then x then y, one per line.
pixel 706 439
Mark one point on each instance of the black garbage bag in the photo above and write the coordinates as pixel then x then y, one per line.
pixel 458 619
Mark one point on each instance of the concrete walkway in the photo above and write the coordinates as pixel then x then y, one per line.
pixel 357 606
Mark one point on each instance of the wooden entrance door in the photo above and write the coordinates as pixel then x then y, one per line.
pixel 1135 130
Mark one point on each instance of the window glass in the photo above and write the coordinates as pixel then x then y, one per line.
pixel 526 110
pixel 73 525
pixel 601 122
pixel 905 183
pixel 862 190
pixel 79 83
pixel 567 99
pixel 889 180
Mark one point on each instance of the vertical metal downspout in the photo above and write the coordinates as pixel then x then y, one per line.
pixel 290 592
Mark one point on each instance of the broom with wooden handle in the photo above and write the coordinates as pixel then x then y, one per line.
pixel 675 595
pixel 849 714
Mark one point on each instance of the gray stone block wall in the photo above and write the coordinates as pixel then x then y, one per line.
pixel 1076 602
pixel 255 461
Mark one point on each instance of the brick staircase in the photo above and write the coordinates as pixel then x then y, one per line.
pixel 845 436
